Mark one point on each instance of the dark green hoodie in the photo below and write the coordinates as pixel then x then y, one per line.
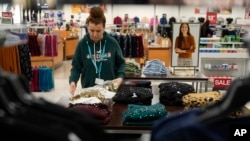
pixel 109 61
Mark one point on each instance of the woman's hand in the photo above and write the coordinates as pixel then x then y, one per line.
pixel 117 81
pixel 72 88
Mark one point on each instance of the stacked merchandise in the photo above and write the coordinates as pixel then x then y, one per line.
pixel 132 68
pixel 143 115
pixel 92 101
pixel 155 67
pixel 10 36
pixel 133 95
pixel 171 93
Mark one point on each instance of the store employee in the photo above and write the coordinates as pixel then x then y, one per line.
pixel 98 56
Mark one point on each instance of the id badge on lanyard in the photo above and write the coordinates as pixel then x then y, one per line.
pixel 98 80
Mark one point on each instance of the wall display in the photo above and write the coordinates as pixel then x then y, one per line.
pixel 221 10
pixel 185 51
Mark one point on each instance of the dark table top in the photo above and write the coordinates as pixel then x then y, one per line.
pixel 116 122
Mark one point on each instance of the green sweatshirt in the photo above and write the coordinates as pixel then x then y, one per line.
pixel 91 59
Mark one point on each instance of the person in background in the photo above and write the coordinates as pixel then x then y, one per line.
pixel 205 29
pixel 98 56
pixel 185 46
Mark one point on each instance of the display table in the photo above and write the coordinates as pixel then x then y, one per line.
pixel 116 123
pixel 198 78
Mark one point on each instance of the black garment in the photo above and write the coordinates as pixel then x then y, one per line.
pixel 206 31
pixel 133 95
pixel 25 61
pixel 171 93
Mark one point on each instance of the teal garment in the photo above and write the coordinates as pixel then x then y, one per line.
pixel 109 61
pixel 143 113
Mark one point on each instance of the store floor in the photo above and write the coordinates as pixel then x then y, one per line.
pixel 60 94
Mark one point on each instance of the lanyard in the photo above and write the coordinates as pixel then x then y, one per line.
pixel 98 69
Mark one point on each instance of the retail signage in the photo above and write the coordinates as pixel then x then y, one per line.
pixel 7 18
pixel 7 14
pixel 212 17
pixel 222 82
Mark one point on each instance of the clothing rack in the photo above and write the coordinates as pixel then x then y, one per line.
pixel 43 58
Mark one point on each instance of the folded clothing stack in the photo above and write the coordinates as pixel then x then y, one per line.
pixel 133 95
pixel 143 115
pixel 171 93
pixel 98 111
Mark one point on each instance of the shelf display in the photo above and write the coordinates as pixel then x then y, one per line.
pixel 222 60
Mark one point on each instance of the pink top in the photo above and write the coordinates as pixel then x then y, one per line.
pixel 152 21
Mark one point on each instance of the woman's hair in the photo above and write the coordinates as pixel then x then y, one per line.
pixel 96 16
pixel 181 35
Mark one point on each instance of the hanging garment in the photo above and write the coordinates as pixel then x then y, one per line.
pixel 133 95
pixel 10 60
pixel 163 21
pixel 51 45
pixel 136 19
pixel 33 44
pixel 35 79
pixel 25 61
pixel 46 81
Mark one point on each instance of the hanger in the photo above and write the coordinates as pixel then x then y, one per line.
pixel 236 97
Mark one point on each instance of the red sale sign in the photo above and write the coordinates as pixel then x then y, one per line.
pixel 7 14
pixel 222 82
pixel 212 17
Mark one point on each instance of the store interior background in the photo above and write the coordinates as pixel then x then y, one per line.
pixel 140 10
pixel 182 11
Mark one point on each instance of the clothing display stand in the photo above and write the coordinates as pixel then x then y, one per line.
pixel 45 29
